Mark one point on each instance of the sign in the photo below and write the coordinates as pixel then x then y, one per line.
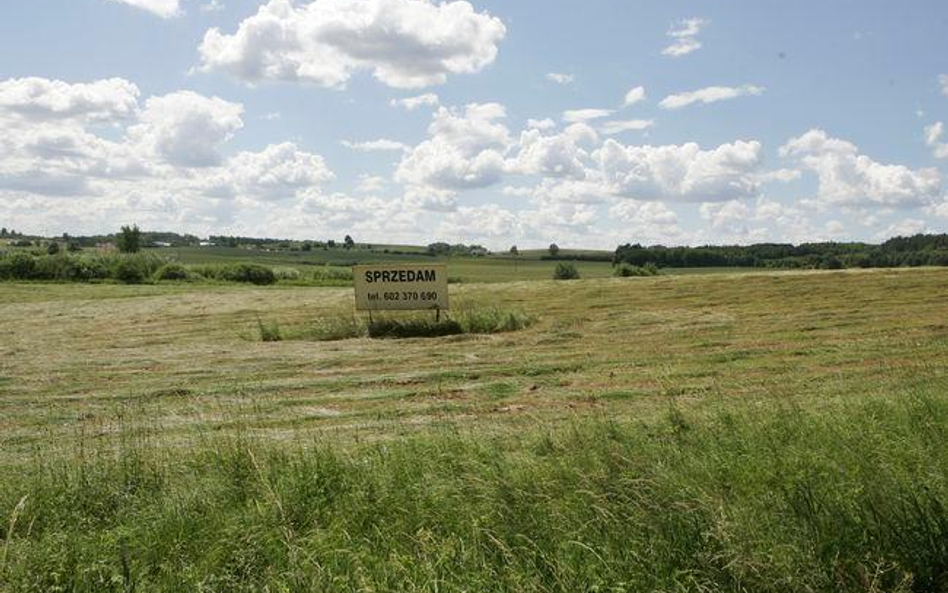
pixel 400 286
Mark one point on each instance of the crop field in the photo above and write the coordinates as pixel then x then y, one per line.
pixel 744 431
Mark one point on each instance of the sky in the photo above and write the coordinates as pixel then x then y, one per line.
pixel 583 123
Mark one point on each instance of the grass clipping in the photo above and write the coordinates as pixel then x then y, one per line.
pixel 344 327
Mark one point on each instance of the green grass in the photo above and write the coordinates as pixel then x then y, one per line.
pixel 719 432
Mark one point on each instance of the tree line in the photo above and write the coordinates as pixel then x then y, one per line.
pixel 917 250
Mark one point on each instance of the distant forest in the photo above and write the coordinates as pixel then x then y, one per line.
pixel 918 250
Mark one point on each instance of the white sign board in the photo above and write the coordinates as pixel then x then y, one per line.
pixel 400 286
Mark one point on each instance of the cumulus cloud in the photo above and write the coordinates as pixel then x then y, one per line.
pixel 618 126
pixel 684 35
pixel 277 172
pixel 162 161
pixel 680 173
pixel 404 43
pixel 849 178
pixel 465 149
pixel 933 134
pixel 186 129
pixel 163 8
pixel 635 95
pixel 541 124
pixel 709 94
pixel 382 144
pixel 413 103
pixel 41 100
pixel 583 115
pixel 557 155
pixel 559 78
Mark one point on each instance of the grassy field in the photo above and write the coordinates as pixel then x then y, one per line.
pixel 705 432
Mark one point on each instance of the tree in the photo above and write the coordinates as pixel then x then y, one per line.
pixel 349 242
pixel 554 249
pixel 52 248
pixel 129 240
pixel 514 250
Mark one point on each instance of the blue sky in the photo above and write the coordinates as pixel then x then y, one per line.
pixel 755 121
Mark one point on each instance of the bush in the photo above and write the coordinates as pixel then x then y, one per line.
pixel 565 271
pixel 626 270
pixel 172 271
pixel 55 267
pixel 130 270
pixel 286 273
pixel 250 273
pixel 332 274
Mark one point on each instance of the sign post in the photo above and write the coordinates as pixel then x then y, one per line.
pixel 401 287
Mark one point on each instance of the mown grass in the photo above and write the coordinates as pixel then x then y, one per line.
pixel 850 498
pixel 751 432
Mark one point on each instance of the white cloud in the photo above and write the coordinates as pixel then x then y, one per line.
pixel 655 217
pixel 186 129
pixel 413 103
pixel 581 115
pixel 277 172
pixel 849 178
pixel 779 176
pixel 559 155
pixel 162 164
pixel 41 99
pixel 709 94
pixel 404 43
pixel 730 216
pixel 541 124
pixel 163 8
pixel 635 95
pixel 683 173
pixel 382 144
pixel 903 228
pixel 619 126
pixel 933 134
pixel 370 184
pixel 559 78
pixel 464 150
pixel 684 37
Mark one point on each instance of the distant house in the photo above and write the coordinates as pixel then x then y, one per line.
pixel 206 244
pixel 161 244
pixel 105 246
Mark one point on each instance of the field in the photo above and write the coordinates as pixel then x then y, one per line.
pixel 700 432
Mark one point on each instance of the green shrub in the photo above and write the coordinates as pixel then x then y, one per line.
pixel 55 267
pixel 130 270
pixel 565 271
pixel 626 270
pixel 286 273
pixel 332 274
pixel 21 266
pixel 250 273
pixel 172 271
pixel 92 267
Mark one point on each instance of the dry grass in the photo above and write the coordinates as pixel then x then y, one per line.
pixel 183 359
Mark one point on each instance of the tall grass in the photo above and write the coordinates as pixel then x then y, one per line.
pixel 774 499
pixel 413 325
